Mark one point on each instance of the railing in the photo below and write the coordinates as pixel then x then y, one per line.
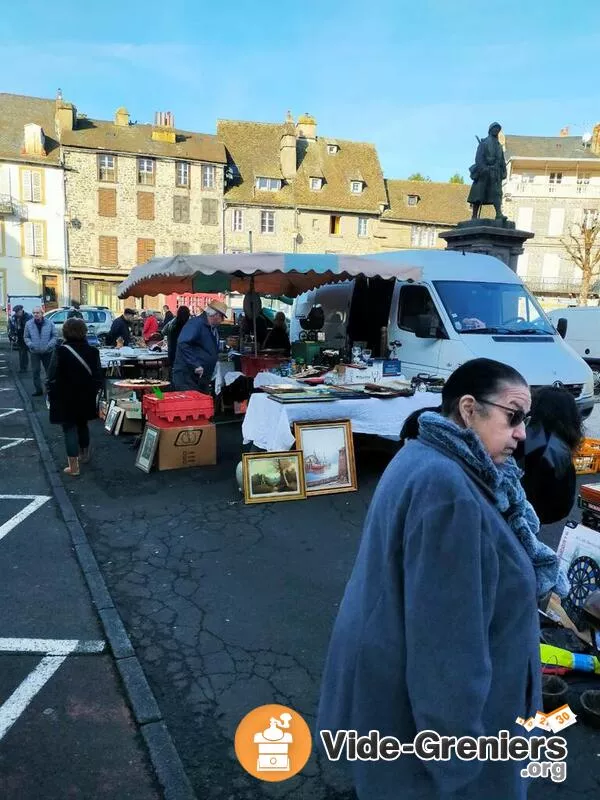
pixel 572 190
pixel 541 285
pixel 12 208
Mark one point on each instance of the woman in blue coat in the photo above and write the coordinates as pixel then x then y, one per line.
pixel 438 627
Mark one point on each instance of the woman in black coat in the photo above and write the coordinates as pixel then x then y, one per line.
pixel 173 331
pixel 74 377
pixel 546 456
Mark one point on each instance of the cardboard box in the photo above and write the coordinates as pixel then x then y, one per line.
pixel 188 446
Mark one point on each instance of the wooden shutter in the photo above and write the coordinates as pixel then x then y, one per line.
pixel 209 211
pixel 181 248
pixel 107 202
pixel 29 239
pixel 38 238
pixel 145 250
pixel 27 184
pixel 108 251
pixel 209 249
pixel 181 209
pixel 36 186
pixel 145 205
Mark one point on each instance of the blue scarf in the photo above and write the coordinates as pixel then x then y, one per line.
pixel 509 497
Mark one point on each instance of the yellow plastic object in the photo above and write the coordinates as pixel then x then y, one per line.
pixel 557 656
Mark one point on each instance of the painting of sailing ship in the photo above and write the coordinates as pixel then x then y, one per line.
pixel 328 456
pixel 273 476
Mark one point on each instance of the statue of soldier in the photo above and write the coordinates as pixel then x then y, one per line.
pixel 487 174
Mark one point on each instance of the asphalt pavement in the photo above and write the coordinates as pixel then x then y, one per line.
pixel 229 606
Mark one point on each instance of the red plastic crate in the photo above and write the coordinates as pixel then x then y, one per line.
pixel 178 407
pixel 252 365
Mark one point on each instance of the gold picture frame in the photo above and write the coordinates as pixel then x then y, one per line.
pixel 328 449
pixel 273 477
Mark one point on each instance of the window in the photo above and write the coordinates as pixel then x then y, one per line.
pixel 145 205
pixel 209 249
pixel 363 226
pixel 589 217
pixel 107 168
pixel 555 179
pixel 181 248
pixel 356 187
pixel 108 251
pixel 181 208
pixel 268 184
pixel 527 177
pixel 182 174
pixel 412 199
pixel 332 149
pixel 237 220
pixel 145 171
pixel 34 235
pixel 145 250
pixel 316 184
pixel 209 176
pixel 210 210
pixel 523 265
pixel 32 183
pixel 423 236
pixel 107 202
pixel 525 219
pixel 556 222
pixel 267 222
pixel 551 265
pixel 415 301
pixel 334 225
pixel 583 182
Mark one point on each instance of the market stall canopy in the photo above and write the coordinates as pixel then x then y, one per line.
pixel 287 274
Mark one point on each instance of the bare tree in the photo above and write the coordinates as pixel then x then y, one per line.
pixel 583 247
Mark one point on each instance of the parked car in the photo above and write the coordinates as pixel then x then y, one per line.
pixel 583 334
pixel 97 318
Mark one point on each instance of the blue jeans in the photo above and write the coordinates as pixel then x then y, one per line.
pixel 37 359
pixel 77 437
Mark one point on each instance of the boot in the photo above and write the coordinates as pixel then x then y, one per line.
pixel 85 455
pixel 73 468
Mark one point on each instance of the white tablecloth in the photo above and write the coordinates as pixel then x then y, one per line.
pixel 110 356
pixel 224 375
pixel 268 423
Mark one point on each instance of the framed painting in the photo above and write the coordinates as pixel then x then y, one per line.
pixel 328 451
pixel 112 415
pixel 273 477
pixel 147 449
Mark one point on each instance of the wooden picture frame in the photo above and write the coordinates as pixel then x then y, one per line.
pixel 273 477
pixel 119 421
pixel 112 414
pixel 328 450
pixel 147 449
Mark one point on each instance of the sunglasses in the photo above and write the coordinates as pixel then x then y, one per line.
pixel 516 415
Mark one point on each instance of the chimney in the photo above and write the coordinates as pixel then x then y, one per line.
pixel 33 140
pixel 306 127
pixel 65 116
pixel 564 131
pixel 122 117
pixel 596 140
pixel 163 129
pixel 287 149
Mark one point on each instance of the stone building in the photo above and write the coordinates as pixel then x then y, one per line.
pixel 553 183
pixel 33 257
pixel 417 211
pixel 134 192
pixel 290 190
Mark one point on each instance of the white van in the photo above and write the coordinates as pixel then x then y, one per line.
pixel 472 306
pixel 583 333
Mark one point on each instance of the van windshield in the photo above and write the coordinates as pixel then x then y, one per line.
pixel 503 308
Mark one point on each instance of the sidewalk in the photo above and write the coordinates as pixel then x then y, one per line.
pixel 77 718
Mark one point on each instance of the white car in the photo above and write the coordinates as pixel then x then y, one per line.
pixel 97 318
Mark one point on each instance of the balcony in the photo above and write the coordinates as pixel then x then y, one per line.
pixel 538 284
pixel 9 207
pixel 572 191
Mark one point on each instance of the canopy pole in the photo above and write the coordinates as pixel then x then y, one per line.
pixel 254 316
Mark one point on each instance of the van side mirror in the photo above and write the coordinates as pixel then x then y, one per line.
pixel 561 327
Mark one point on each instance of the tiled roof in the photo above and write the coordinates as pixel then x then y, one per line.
pixel 440 203
pixel 547 147
pixel 254 148
pixel 17 111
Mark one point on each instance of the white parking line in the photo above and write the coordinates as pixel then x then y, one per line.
pixel 37 500
pixel 11 442
pixel 52 647
pixel 6 412
pixel 11 709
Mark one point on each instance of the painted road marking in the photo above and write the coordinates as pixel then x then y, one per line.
pixel 52 647
pixel 6 412
pixel 11 442
pixel 37 500
pixel 12 389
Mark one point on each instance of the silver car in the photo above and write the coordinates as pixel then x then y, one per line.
pixel 97 318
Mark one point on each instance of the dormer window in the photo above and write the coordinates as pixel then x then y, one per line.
pixel 412 199
pixel 316 184
pixel 268 184
pixel 332 149
pixel 356 187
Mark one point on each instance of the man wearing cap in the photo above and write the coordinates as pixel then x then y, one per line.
pixel 16 331
pixel 198 349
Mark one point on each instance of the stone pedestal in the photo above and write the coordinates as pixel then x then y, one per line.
pixel 492 237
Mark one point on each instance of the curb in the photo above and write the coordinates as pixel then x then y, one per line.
pixel 161 749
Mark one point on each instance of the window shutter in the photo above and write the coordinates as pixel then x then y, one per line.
pixel 27 185
pixel 107 202
pixel 145 205
pixel 205 212
pixel 29 239
pixel 108 251
pixel 209 211
pixel 38 238
pixel 145 250
pixel 36 186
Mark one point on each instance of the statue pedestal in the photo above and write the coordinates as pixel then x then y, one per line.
pixel 492 237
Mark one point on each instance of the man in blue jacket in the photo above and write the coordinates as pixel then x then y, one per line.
pixel 40 338
pixel 198 349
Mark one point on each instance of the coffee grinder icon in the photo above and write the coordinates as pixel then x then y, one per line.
pixel 273 745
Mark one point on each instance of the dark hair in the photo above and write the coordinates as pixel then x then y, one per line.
pixel 18 308
pixel 554 408
pixel 410 428
pixel 74 330
pixel 129 311
pixel 480 377
pixel 183 314
pixel 75 304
